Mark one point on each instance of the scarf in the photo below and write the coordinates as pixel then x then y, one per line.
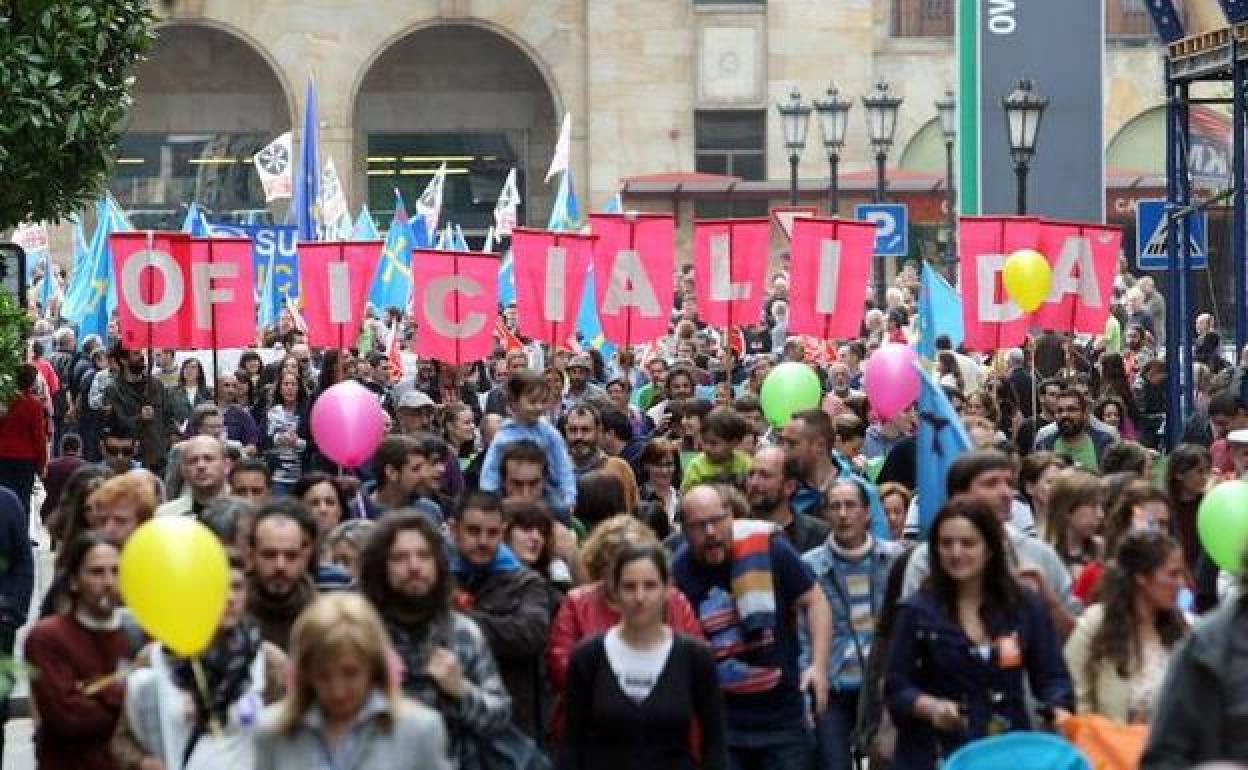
pixel 851 554
pixel 745 621
pixel 470 576
pixel 275 614
pixel 227 673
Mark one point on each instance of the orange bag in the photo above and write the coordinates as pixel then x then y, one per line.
pixel 1108 745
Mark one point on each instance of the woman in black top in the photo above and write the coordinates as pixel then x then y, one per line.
pixel 634 692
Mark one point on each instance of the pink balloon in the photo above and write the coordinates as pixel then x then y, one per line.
pixel 348 424
pixel 890 379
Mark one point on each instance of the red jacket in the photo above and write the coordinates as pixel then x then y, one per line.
pixel 24 432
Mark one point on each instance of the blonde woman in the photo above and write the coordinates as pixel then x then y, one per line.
pixel 344 708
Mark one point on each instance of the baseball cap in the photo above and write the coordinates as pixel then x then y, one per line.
pixel 415 399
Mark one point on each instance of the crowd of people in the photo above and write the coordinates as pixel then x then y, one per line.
pixel 560 557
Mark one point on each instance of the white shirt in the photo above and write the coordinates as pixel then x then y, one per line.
pixel 637 671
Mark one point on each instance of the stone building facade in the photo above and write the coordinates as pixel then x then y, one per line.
pixel 653 87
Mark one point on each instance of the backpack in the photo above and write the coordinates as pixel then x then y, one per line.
pixel 63 364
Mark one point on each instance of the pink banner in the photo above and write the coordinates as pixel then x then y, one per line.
pixel 455 303
pixel 550 270
pixel 633 262
pixel 730 258
pixel 1084 258
pixel 992 320
pixel 335 277
pixel 152 273
pixel 224 309
pixel 830 267
pixel 177 292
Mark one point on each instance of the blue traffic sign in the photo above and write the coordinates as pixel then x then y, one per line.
pixel 892 231
pixel 1151 251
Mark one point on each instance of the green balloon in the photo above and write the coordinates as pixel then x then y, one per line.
pixel 789 388
pixel 1222 522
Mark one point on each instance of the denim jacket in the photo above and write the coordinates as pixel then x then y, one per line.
pixel 829 571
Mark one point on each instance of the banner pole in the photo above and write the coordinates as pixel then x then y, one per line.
pixel 216 365
pixel 150 288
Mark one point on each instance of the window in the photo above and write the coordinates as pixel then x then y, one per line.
pixel 731 142
pixel 476 166
pixel 922 18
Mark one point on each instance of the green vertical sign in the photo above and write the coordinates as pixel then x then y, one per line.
pixel 967 33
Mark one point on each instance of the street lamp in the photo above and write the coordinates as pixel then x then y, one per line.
pixel 1023 109
pixel 833 115
pixel 882 107
pixel 947 109
pixel 795 119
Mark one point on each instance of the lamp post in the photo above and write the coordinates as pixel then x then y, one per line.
pixel 1023 109
pixel 882 107
pixel 947 109
pixel 795 119
pixel 833 115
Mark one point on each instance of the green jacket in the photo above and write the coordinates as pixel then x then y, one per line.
pixel 1202 714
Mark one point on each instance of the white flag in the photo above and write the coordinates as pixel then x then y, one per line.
pixel 333 199
pixel 490 237
pixel 563 148
pixel 273 166
pixel 505 209
pixel 429 206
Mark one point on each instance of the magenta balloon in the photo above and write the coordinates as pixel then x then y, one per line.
pixel 348 424
pixel 890 379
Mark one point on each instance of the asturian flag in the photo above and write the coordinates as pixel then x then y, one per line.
pixel 429 206
pixel 365 229
pixel 505 211
pixel 273 165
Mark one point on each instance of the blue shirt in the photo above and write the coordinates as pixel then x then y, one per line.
pixel 782 707
pixel 560 474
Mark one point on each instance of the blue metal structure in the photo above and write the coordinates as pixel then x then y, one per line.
pixel 1220 56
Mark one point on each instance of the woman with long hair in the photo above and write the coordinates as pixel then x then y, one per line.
pixel 965 643
pixel 591 608
pixel 1035 483
pixel 1139 507
pixel 635 691
pixel 172 719
pixel 1076 513
pixel 1119 649
pixel 660 488
pixel 1187 477
pixel 1115 384
pixel 459 428
pixel 190 391
pixel 70 518
pixel 344 700
pixel 541 544
pixel 285 432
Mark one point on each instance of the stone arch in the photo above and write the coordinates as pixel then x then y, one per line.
pixel 419 100
pixel 207 97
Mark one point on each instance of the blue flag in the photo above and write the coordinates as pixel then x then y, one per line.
pixel 940 312
pixel 507 280
pixel 393 282
pixel 195 224
pixel 365 228
pixel 615 205
pixel 458 241
pixel 308 171
pixel 47 289
pixel 269 307
pixel 82 250
pixel 566 216
pixel 941 440
pixel 91 309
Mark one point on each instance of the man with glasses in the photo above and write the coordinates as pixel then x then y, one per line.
pixel 852 568
pixel 117 447
pixel 748 585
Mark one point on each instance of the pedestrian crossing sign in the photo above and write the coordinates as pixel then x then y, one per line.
pixel 1151 237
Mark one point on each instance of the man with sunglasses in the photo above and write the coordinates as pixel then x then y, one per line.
pixel 118 447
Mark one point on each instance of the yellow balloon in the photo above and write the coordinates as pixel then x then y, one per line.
pixel 175 578
pixel 1028 278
